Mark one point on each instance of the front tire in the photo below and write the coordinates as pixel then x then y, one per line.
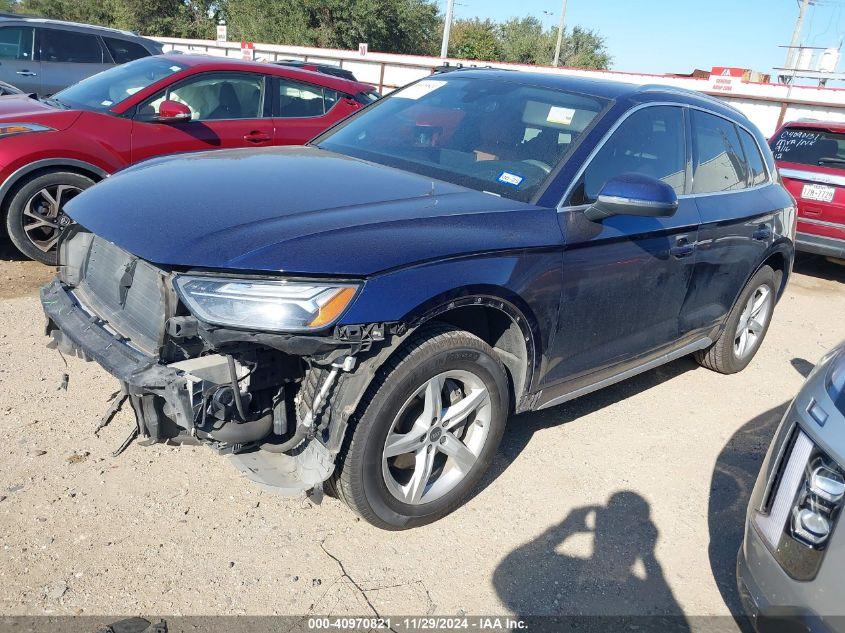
pixel 35 215
pixel 427 430
pixel 745 328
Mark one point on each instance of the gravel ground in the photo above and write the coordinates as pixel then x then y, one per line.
pixel 630 500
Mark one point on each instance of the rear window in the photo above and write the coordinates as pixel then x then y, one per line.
pixel 809 147
pixel 123 51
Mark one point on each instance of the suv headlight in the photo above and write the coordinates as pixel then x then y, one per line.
pixel 268 305
pixel 802 506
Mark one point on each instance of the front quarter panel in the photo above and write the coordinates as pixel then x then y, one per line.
pixel 528 280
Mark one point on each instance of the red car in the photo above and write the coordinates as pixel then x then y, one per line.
pixel 52 149
pixel 810 157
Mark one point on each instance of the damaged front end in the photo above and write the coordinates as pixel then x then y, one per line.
pixel 277 403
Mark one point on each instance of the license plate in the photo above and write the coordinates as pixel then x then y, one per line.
pixel 822 193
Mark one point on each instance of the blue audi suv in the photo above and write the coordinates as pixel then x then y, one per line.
pixel 360 316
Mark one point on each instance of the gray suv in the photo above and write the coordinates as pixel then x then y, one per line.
pixel 44 56
pixel 790 567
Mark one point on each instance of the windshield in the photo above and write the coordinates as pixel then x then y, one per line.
pixel 486 134
pixel 106 89
pixel 810 147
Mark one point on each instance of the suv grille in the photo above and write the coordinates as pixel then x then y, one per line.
pixel 131 296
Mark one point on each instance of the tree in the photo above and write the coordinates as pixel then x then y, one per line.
pixel 474 39
pixel 523 41
pixel 584 48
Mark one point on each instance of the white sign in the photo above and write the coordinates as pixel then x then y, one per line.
pixel 247 51
pixel 363 47
pixel 222 33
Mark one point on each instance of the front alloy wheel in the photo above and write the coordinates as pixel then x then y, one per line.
pixel 437 437
pixel 426 430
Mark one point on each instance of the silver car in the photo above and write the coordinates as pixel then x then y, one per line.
pixel 44 56
pixel 791 564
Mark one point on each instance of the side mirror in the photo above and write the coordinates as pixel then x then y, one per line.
pixel 633 194
pixel 172 112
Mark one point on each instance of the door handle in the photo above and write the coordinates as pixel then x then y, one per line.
pixel 257 137
pixel 762 234
pixel 682 248
pixel 25 73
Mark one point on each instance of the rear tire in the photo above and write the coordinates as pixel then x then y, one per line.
pixel 745 328
pixel 426 430
pixel 34 217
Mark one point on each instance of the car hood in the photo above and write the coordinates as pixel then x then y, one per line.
pixel 297 210
pixel 24 109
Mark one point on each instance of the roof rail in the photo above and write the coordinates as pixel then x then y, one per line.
pixel 37 18
pixel 688 92
pixel 448 68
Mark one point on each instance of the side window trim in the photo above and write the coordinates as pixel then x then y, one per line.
pixel 738 126
pixel 561 206
pixel 199 76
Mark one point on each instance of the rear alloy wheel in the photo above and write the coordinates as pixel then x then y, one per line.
pixel 745 327
pixel 36 213
pixel 427 430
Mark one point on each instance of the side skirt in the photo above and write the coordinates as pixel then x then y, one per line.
pixel 687 349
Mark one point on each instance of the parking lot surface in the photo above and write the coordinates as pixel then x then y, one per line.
pixel 630 500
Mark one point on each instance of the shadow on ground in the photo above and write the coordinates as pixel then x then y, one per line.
pixel 818 266
pixel 519 429
pixel 619 577
pixel 730 490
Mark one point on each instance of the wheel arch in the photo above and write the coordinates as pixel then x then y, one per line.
pixel 497 317
pixel 39 167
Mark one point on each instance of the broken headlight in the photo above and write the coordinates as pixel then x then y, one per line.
pixel 268 305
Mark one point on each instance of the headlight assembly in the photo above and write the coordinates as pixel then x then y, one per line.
pixel 269 305
pixel 10 129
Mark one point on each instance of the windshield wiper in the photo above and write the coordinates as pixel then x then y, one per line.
pixel 54 103
pixel 831 159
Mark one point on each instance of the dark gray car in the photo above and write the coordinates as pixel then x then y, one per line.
pixel 44 56
pixel 791 563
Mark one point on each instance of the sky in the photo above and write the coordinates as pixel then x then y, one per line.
pixel 663 36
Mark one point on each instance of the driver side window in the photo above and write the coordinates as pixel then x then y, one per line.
pixel 216 97
pixel 649 142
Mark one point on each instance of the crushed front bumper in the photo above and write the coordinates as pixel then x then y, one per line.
pixel 75 330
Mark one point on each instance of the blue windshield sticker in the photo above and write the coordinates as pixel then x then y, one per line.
pixel 512 180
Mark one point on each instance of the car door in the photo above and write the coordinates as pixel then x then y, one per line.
pixel 229 109
pixel 67 57
pixel 737 215
pixel 304 110
pixel 625 278
pixel 18 65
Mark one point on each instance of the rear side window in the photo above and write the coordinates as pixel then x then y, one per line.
pixel 649 142
pixel 299 100
pixel 123 51
pixel 719 163
pixel 809 147
pixel 70 47
pixel 16 43
pixel 756 169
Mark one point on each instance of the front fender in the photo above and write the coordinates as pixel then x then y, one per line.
pixel 524 284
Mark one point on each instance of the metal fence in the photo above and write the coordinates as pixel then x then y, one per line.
pixel 767 105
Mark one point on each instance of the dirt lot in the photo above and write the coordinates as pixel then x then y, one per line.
pixel 628 500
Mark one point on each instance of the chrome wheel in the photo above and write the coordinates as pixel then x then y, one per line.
pixel 42 215
pixel 436 438
pixel 752 322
